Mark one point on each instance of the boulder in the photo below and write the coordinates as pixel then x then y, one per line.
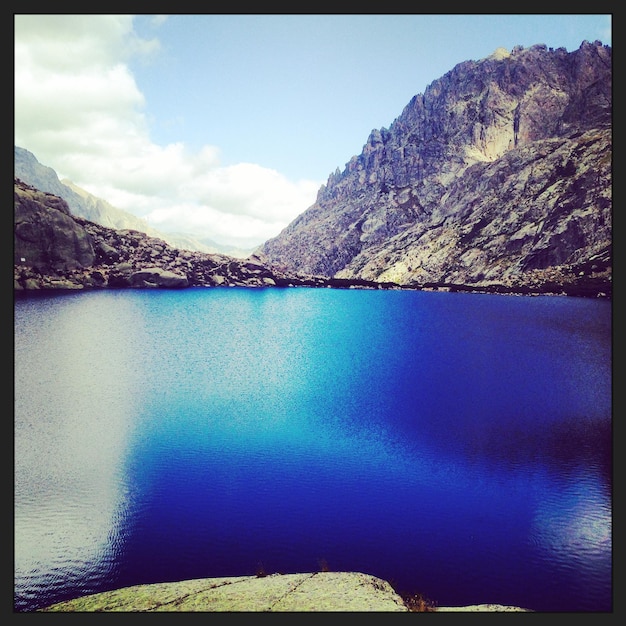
pixel 157 277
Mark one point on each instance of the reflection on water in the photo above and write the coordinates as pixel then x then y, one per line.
pixel 73 403
pixel 456 445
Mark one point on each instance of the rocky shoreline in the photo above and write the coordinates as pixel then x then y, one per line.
pixel 55 250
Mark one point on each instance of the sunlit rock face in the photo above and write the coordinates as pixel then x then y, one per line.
pixel 499 173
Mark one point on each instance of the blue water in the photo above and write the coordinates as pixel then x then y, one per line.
pixel 456 445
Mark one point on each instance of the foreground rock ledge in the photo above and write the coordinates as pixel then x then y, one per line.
pixel 321 591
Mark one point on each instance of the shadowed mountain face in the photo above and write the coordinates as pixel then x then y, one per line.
pixel 500 173
pixel 54 249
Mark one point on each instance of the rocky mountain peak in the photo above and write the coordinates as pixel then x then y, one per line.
pixel 535 121
pixel 499 53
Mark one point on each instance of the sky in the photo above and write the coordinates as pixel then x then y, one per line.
pixel 226 126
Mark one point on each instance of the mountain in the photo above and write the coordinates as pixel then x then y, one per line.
pixel 55 249
pixel 498 178
pixel 83 204
pixel 498 175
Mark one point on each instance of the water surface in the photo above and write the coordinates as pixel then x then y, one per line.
pixel 456 445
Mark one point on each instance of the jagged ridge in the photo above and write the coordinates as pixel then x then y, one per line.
pixel 499 174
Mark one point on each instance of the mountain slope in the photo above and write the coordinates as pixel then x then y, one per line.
pixel 500 173
pixel 54 249
pixel 83 204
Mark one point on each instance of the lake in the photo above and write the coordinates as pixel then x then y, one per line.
pixel 455 445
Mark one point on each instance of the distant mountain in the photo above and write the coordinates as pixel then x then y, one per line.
pixel 205 244
pixel 499 174
pixel 83 204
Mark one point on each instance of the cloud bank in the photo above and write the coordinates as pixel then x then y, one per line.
pixel 79 110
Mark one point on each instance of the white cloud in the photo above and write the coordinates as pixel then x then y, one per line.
pixel 245 204
pixel 79 110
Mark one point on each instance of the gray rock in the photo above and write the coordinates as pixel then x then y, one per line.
pixel 46 235
pixel 57 250
pixel 491 608
pixel 324 591
pixel 319 592
pixel 157 277
pixel 500 173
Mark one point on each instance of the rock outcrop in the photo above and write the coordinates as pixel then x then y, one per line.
pixel 319 591
pixel 54 249
pixel 497 177
pixel 46 234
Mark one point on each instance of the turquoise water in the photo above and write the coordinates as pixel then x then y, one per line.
pixel 456 445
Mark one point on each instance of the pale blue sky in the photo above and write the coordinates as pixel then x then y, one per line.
pixel 301 93
pixel 226 125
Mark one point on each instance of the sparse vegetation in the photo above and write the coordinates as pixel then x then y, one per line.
pixel 417 603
